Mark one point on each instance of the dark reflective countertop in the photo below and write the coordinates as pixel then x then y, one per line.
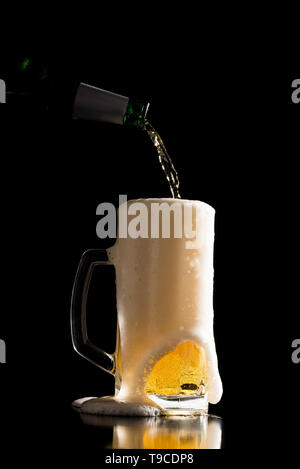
pixel 192 432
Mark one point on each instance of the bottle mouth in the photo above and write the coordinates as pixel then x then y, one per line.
pixel 136 112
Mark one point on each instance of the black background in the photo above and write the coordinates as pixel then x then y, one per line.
pixel 225 113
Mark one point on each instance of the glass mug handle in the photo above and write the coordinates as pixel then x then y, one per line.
pixel 80 340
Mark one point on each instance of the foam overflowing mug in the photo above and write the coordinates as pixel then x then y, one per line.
pixel 165 351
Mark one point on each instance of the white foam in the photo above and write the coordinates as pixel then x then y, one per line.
pixel 111 406
pixel 78 402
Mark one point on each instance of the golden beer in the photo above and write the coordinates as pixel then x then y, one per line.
pixel 182 371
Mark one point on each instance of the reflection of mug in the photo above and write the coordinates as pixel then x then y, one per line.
pixel 204 432
pixel 165 344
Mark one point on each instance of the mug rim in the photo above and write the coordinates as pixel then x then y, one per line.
pixel 199 203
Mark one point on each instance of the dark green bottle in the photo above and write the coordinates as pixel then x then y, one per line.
pixel 31 89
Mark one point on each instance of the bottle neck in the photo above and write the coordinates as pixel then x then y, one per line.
pixel 96 104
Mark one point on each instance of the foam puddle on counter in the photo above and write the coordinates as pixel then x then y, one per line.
pixel 110 405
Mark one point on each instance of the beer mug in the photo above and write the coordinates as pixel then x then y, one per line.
pixel 165 348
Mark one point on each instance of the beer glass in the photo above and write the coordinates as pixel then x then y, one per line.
pixel 165 348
